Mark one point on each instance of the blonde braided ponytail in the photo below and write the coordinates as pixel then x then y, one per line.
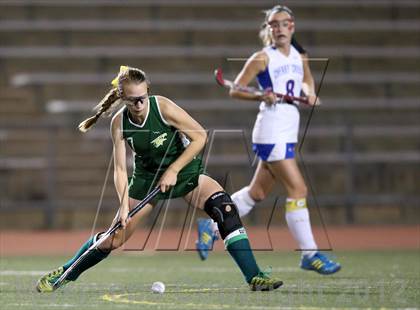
pixel 112 100
pixel 103 107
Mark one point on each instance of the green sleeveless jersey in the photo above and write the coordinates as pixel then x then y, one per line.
pixel 156 145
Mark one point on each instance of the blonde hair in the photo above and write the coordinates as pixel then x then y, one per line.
pixel 112 100
pixel 265 30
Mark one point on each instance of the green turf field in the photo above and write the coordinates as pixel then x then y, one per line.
pixel 368 279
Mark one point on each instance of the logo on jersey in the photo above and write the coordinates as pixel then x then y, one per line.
pixel 159 140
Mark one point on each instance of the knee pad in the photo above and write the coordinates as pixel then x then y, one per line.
pixel 223 211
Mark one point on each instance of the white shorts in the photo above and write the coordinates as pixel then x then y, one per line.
pixel 275 132
pixel 274 152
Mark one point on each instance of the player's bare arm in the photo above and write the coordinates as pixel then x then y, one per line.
pixel 181 120
pixel 254 65
pixel 120 168
pixel 308 84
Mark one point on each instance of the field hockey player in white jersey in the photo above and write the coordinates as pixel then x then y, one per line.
pixel 278 68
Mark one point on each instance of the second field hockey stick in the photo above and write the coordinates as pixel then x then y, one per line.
pixel 218 73
pixel 105 235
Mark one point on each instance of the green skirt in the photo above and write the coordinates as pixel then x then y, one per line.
pixel 187 180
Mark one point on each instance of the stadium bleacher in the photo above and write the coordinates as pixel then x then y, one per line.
pixel 57 58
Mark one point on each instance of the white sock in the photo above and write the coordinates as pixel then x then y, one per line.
pixel 214 226
pixel 243 201
pixel 297 218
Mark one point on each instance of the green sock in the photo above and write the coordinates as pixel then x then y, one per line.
pixel 90 260
pixel 237 244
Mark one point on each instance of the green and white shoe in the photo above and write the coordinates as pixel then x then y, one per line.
pixel 263 282
pixel 46 283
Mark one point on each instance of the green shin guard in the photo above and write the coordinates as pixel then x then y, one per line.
pixel 82 249
pixel 90 260
pixel 241 252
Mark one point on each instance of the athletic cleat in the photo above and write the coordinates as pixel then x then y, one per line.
pixel 320 263
pixel 206 238
pixel 46 283
pixel 262 282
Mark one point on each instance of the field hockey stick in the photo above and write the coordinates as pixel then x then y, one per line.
pixel 218 73
pixel 105 235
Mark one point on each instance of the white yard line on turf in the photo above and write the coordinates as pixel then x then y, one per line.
pixel 22 272
pixel 61 305
pixel 197 269
pixel 43 306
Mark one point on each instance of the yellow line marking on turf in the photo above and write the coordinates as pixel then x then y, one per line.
pixel 120 298
pixel 123 298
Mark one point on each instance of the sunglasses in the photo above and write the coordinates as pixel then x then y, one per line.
pixel 135 100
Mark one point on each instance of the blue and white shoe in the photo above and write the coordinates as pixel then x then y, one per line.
pixel 320 263
pixel 206 238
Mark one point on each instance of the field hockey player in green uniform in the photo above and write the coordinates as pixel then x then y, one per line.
pixel 166 142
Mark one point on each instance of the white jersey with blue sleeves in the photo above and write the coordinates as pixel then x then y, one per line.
pixel 277 125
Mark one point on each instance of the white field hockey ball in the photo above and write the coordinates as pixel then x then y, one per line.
pixel 158 287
